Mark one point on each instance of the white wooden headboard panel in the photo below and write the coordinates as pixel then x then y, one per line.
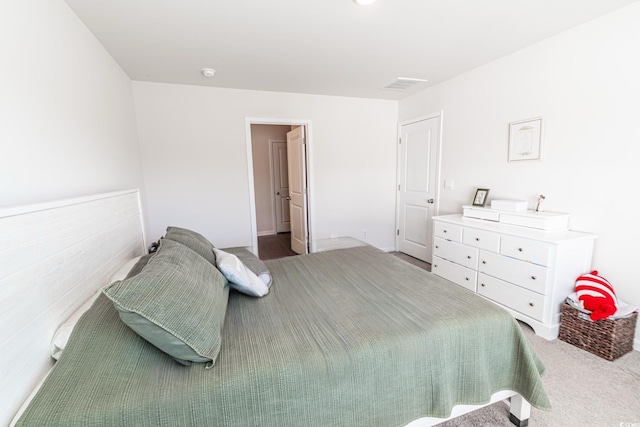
pixel 53 257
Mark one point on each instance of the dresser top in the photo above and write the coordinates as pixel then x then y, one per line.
pixel 515 230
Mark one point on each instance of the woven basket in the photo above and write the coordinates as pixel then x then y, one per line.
pixel 606 338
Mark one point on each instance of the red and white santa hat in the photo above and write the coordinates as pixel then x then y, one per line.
pixel 597 295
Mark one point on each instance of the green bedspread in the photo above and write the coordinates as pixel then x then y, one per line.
pixel 350 337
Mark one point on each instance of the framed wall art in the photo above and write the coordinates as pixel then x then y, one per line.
pixel 525 139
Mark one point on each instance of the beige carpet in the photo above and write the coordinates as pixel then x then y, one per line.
pixel 584 390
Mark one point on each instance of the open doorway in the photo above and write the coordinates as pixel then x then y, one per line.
pixel 280 220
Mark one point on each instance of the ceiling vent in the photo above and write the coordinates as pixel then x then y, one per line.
pixel 402 83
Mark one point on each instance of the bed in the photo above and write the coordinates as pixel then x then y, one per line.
pixel 347 337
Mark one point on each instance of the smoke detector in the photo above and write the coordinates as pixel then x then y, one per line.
pixel 208 72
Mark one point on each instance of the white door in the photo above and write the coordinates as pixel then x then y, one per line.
pixel 297 190
pixel 417 186
pixel 281 186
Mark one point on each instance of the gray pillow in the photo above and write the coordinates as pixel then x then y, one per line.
pixel 177 302
pixel 194 241
pixel 253 263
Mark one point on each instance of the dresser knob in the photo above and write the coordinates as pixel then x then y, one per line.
pixel 435 265
pixel 437 246
pixel 477 239
pixel 484 262
pixel 466 278
pixel 483 285
pixel 444 231
pixel 533 277
pixel 468 256
pixel 531 304
pixel 520 250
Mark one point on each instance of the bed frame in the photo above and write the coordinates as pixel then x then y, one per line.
pixel 53 260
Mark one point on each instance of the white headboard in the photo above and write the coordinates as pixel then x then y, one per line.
pixel 53 257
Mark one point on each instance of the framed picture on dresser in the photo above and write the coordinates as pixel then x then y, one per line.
pixel 480 198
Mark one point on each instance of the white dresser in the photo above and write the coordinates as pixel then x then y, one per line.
pixel 529 272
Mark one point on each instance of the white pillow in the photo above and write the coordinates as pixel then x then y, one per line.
pixel 61 336
pixel 122 272
pixel 252 262
pixel 241 278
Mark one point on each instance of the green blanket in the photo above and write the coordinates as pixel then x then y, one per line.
pixel 350 337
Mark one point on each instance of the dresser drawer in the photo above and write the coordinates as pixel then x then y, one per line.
pixel 447 231
pixel 454 272
pixel 531 276
pixel 516 298
pixel 456 252
pixel 481 239
pixel 526 250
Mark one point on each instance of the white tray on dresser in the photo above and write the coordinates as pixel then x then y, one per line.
pixel 527 271
pixel 549 221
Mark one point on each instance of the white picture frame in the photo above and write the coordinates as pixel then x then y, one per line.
pixel 525 140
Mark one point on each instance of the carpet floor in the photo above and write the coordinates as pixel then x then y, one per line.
pixel 584 389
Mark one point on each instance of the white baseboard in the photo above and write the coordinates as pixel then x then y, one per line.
pixel 266 233
pixel 636 344
pixel 321 245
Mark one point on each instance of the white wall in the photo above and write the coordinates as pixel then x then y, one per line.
pixel 195 161
pixel 586 85
pixel 260 137
pixel 67 121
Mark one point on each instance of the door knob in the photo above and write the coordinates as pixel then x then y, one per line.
pixel 288 198
pixel 429 200
pixel 277 193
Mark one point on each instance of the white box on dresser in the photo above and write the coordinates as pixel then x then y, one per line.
pixel 529 272
pixel 510 205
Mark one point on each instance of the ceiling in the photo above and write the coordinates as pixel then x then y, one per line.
pixel 329 47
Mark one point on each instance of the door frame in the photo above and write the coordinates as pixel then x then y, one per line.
pixel 311 217
pixel 436 203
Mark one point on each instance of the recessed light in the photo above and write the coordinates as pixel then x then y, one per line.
pixel 208 72
pixel 365 2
